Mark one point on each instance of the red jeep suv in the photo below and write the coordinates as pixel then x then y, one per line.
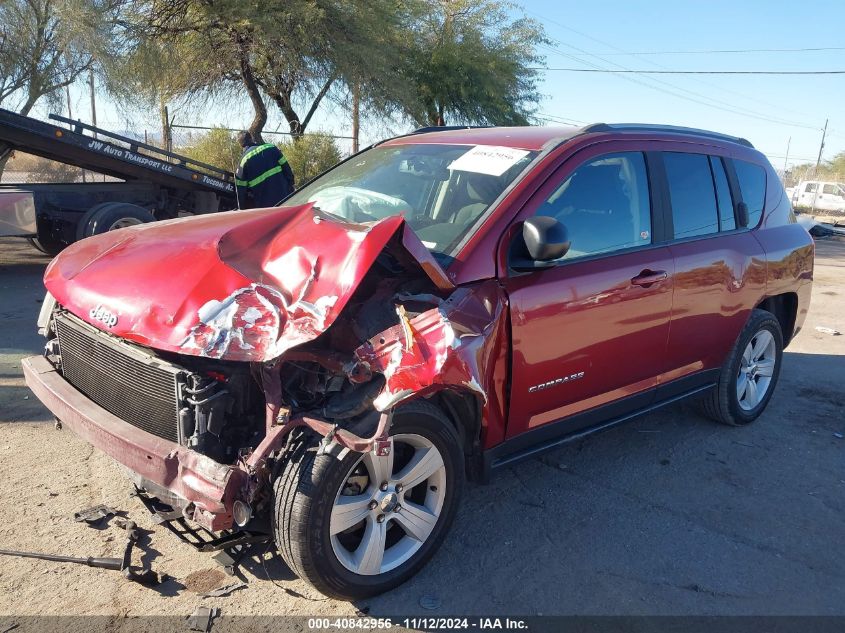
pixel 438 306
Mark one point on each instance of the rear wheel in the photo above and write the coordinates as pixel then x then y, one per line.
pixel 750 373
pixel 361 525
pixel 110 216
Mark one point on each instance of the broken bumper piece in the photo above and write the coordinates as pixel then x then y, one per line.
pixel 212 488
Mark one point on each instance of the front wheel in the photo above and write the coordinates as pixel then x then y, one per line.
pixel 359 526
pixel 750 373
pixel 46 245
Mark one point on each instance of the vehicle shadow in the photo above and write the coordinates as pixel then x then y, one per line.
pixel 21 294
pixel 670 514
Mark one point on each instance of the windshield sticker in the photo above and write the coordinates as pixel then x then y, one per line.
pixel 488 159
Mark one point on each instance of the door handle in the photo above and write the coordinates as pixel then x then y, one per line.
pixel 649 277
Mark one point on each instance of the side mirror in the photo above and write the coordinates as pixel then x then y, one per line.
pixel 742 214
pixel 545 238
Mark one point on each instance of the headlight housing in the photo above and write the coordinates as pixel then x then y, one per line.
pixel 46 314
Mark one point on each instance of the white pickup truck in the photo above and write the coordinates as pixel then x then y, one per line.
pixel 819 195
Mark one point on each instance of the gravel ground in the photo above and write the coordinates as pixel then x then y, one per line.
pixel 669 515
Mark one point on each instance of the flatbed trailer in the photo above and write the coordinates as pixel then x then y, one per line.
pixel 154 184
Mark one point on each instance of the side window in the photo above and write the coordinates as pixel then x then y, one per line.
pixel 810 187
pixel 832 189
pixel 752 186
pixel 727 221
pixel 691 193
pixel 604 204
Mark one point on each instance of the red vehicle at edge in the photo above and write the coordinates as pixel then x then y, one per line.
pixel 433 308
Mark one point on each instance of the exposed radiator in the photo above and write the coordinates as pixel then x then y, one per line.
pixel 139 389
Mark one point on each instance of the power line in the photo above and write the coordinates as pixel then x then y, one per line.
pixel 707 100
pixel 736 50
pixel 695 72
pixel 695 98
pixel 553 118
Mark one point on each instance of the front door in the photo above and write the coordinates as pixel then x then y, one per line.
pixel 592 329
pixel 807 194
pixel 830 197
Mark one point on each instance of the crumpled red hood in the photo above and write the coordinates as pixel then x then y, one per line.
pixel 242 285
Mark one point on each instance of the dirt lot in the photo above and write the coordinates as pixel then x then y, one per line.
pixel 669 515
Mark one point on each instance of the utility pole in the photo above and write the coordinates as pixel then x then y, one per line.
pixel 816 170
pixel 93 102
pixel 67 94
pixel 356 122
pixel 786 159
pixel 166 132
pixel 821 147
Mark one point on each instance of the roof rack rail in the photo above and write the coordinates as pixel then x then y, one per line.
pixel 648 127
pixel 444 128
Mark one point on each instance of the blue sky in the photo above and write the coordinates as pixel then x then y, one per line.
pixel 797 106
pixel 768 109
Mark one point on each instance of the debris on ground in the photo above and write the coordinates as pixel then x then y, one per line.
pixel 201 619
pixel 94 514
pixel 204 580
pixel 827 330
pixel 224 591
pixel 838 436
pixel 818 228
pixel 124 564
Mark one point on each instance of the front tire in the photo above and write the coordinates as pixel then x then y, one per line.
pixel 46 245
pixel 359 526
pixel 750 373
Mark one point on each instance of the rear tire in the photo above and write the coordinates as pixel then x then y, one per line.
pixel 109 216
pixel 749 375
pixel 337 529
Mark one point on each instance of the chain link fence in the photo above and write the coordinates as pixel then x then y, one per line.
pixel 186 136
pixel 796 174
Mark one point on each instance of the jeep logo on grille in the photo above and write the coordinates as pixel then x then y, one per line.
pixel 99 313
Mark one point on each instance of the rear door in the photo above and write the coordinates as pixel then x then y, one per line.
pixel 807 193
pixel 592 329
pixel 719 268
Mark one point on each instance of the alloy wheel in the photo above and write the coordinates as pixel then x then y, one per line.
pixel 755 370
pixel 387 507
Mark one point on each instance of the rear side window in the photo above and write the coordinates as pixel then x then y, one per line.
pixel 604 205
pixel 727 221
pixel 691 193
pixel 752 186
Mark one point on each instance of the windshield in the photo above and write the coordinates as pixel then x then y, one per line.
pixel 441 190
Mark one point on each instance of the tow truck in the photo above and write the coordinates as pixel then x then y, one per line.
pixel 148 183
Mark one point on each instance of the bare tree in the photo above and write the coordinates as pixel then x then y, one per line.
pixel 45 45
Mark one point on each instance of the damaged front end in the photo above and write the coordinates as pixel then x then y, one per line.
pixel 198 395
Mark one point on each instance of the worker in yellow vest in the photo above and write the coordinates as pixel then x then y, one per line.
pixel 263 177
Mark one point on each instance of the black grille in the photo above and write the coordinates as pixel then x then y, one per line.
pixel 140 391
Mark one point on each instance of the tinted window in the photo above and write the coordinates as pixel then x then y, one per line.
pixel 810 187
pixel 830 189
pixel 752 186
pixel 691 193
pixel 604 205
pixel 727 221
